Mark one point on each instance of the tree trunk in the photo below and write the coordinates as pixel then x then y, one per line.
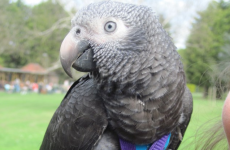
pixel 219 92
pixel 205 93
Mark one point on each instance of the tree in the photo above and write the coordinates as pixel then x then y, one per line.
pixel 44 45
pixel 165 23
pixel 223 67
pixel 13 17
pixel 205 43
pixel 25 37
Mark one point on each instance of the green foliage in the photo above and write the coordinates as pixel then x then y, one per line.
pixel 192 87
pixel 44 49
pixel 182 53
pixel 166 25
pixel 12 31
pixel 199 45
pixel 24 38
pixel 205 44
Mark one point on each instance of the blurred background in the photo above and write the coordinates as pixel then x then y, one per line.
pixel 32 82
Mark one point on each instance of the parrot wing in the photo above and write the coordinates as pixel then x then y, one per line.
pixel 79 121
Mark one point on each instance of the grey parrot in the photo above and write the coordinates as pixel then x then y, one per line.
pixel 135 88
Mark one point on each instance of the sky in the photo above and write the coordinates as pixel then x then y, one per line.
pixel 179 13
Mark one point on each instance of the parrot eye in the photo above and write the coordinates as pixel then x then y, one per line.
pixel 110 26
pixel 78 31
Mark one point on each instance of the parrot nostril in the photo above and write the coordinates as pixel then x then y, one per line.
pixel 78 31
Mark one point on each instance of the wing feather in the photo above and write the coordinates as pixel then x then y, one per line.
pixel 79 121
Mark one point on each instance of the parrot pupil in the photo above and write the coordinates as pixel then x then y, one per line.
pixel 78 31
pixel 110 26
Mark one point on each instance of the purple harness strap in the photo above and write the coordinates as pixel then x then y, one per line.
pixel 127 145
pixel 160 144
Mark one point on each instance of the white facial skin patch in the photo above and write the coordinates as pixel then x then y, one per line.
pixel 96 30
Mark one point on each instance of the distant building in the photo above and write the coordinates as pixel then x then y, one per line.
pixel 31 72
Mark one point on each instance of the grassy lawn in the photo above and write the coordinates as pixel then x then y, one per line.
pixel 206 113
pixel 24 119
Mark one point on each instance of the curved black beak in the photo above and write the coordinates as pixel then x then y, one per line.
pixel 77 54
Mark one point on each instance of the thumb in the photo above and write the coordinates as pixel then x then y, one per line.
pixel 226 118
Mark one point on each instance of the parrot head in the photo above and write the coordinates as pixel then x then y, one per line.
pixel 105 36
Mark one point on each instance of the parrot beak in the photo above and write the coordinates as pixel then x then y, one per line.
pixel 77 54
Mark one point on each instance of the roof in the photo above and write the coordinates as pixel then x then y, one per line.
pixel 31 68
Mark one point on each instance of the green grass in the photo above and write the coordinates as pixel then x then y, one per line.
pixel 206 113
pixel 24 119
